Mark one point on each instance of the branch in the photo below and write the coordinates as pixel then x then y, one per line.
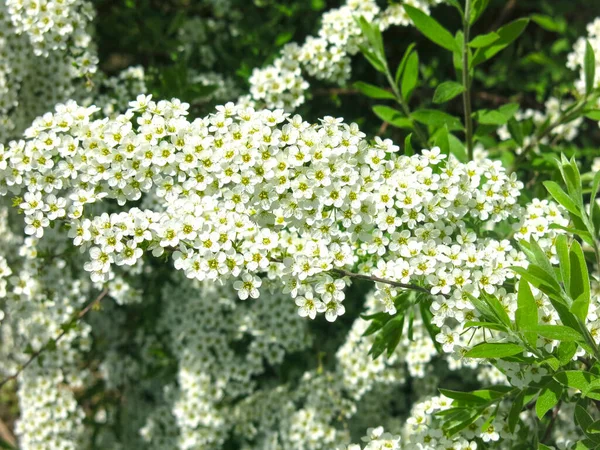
pixel 6 434
pixel 54 341
pixel 347 273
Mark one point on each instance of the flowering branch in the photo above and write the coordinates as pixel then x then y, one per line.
pixel 53 342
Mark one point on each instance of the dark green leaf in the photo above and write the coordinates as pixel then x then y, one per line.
pixel 515 411
pixel 432 29
pixel 489 325
pixel 516 131
pixel 477 9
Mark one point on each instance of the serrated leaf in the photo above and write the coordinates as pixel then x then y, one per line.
pixel 494 350
pixel 431 29
pixel 447 91
pixel 373 91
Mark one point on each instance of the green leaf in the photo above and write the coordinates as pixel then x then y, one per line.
pixel 402 65
pixel 373 35
pixel 392 116
pixel 594 428
pixel 461 419
pixel 595 187
pixel 515 411
pixel 437 119
pixel 562 251
pixel 464 397
pixel 548 23
pixel 548 398
pixel 373 91
pixel 562 197
pixel 565 352
pixel 527 312
pixel 431 29
pixel 579 286
pixel 497 117
pixel 388 338
pixel 441 140
pixel 408 148
pixel 589 68
pixel 593 114
pixel 497 309
pixel 483 40
pixel 494 350
pixel 557 333
pixel 508 33
pixel 447 91
pixel 457 148
pixel 583 418
pixel 516 131
pixel 477 9
pixel 410 77
pixel 576 379
pixel 373 59
pixel 544 447
pixel 489 325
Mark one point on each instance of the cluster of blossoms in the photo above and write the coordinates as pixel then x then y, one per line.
pixel 241 192
pixel 45 47
pixel 576 58
pixel 326 56
pixel 533 119
pixel 51 24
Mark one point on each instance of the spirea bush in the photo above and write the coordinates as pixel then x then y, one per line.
pixel 352 225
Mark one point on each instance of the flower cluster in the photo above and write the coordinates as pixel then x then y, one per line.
pixel 242 192
pixel 576 58
pixel 326 56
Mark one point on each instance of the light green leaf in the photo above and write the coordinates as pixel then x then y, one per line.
pixel 447 91
pixel 408 148
pixel 392 116
pixel 593 114
pixel 576 379
pixel 579 285
pixel 373 59
pixel 557 333
pixel 548 398
pixel 527 312
pixel 402 65
pixel 562 197
pixel 589 67
pixel 489 325
pixel 562 251
pixel 508 33
pixel 431 29
pixel 373 91
pixel 548 23
pixel 494 350
pixel 483 40
pixel 477 9
pixel 410 77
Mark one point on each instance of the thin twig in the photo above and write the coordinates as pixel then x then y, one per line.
pixel 551 423
pixel 65 330
pixel 6 434
pixel 347 273
pixel 382 128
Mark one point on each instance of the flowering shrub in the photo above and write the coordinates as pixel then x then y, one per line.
pixel 201 250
